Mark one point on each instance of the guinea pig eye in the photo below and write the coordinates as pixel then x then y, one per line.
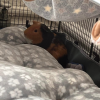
pixel 35 30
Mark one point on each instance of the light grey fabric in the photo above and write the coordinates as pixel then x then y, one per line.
pixel 33 98
pixel 64 10
pixel 18 82
pixel 44 80
pixel 74 66
pixel 13 35
pixel 28 55
pixel 13 48
pixel 64 84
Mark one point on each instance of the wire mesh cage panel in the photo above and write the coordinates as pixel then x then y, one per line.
pixel 78 32
pixel 19 13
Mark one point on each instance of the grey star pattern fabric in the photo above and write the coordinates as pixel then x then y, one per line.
pixel 64 10
pixel 28 72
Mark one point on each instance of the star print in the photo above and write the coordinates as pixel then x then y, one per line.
pixel 91 9
pixel 77 11
pixel 71 2
pixel 47 8
pixel 61 10
pixel 58 1
pixel 35 5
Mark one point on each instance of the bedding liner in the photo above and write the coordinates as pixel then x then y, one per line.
pixel 28 72
pixel 64 10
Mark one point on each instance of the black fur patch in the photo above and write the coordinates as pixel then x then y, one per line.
pixel 48 38
pixel 47 35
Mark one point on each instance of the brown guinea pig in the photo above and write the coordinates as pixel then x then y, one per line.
pixel 42 36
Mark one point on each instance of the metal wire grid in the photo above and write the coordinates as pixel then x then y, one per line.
pixel 80 32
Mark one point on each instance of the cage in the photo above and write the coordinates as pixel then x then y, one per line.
pixel 16 13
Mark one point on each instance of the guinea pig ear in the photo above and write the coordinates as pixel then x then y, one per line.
pixel 35 22
pixel 45 29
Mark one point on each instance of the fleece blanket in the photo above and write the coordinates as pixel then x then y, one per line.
pixel 28 72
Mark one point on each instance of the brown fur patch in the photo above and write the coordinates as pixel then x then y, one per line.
pixel 57 51
pixel 34 33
